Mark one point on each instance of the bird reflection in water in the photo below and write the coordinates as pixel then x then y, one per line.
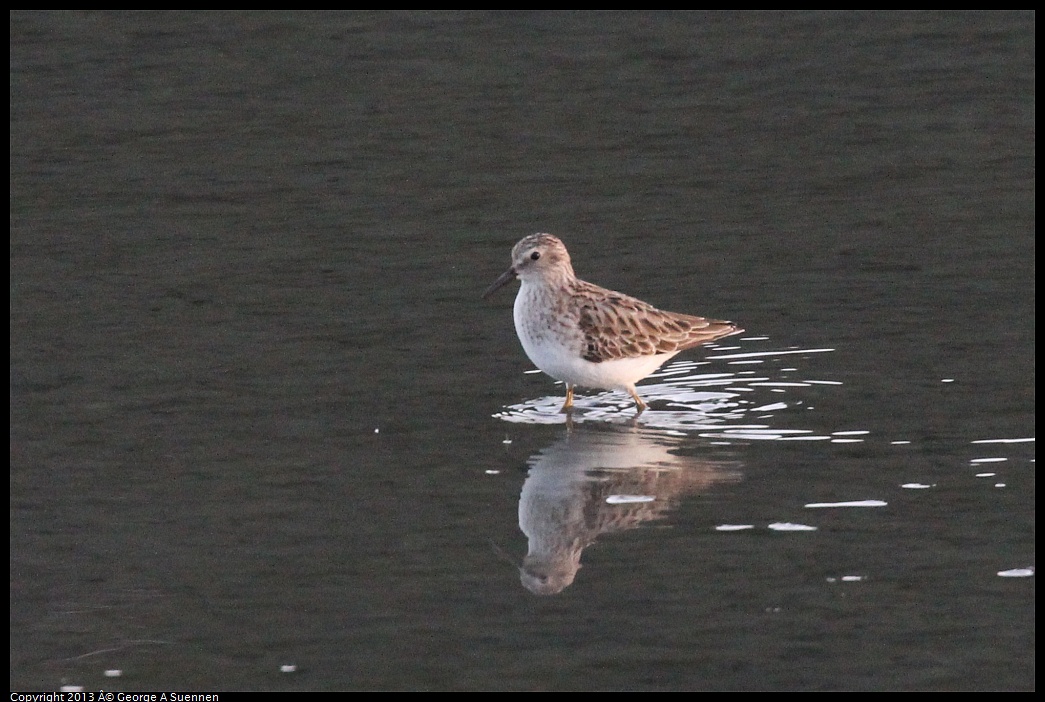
pixel 598 480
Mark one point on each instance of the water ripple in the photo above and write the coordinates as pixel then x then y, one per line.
pixel 712 397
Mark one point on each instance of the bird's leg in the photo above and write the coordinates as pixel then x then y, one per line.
pixel 568 405
pixel 639 404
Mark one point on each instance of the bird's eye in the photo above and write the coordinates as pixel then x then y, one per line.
pixel 535 255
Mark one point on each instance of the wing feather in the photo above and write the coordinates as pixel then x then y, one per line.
pixel 615 326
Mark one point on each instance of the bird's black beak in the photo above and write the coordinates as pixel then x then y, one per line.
pixel 506 277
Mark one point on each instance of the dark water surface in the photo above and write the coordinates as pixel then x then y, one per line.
pixel 265 434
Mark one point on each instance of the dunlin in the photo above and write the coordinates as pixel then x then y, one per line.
pixel 585 335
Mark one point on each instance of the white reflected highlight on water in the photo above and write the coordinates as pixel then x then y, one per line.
pixel 758 354
pixel 1004 441
pixel 628 499
pixel 1017 572
pixel 850 503
pixel 788 526
pixel 764 434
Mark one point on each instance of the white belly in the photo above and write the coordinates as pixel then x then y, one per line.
pixel 555 344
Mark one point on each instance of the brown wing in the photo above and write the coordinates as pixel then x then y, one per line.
pixel 618 326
